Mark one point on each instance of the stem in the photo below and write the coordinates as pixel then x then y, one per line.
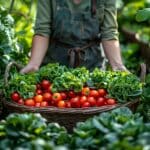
pixel 30 7
pixel 11 6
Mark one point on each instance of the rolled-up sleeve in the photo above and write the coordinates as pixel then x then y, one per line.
pixel 43 18
pixel 109 28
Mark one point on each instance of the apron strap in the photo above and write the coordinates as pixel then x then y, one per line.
pixel 74 53
pixel 93 7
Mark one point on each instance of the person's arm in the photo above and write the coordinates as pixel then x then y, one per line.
pixel 112 52
pixel 40 41
pixel 39 48
pixel 109 35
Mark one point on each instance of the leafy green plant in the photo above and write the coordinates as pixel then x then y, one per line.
pixel 25 85
pixel 125 88
pixel 144 107
pixel 51 71
pixel 101 79
pixel 143 15
pixel 8 44
pixel 67 81
pixel 24 130
pixel 118 129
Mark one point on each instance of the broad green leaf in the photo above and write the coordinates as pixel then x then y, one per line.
pixel 143 15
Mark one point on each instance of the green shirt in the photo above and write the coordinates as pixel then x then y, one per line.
pixel 106 13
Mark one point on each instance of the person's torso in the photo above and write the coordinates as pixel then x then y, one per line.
pixel 75 23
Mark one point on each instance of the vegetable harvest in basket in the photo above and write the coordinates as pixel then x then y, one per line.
pixel 59 86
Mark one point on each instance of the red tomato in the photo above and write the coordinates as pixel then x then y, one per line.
pixel 71 94
pixel 15 96
pixel 75 102
pixel 29 102
pixel 83 99
pixel 102 92
pixel 111 101
pixel 37 104
pixel 92 101
pixel 44 104
pixel 85 91
pixel 45 84
pixel 86 104
pixel 101 101
pixel 53 103
pixel 39 92
pixel 21 101
pixel 68 104
pixel 47 96
pixel 56 97
pixel 94 93
pixel 63 95
pixel 49 89
pixel 61 104
pixel 38 98
pixel 38 86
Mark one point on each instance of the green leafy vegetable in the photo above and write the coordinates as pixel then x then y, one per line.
pixel 24 130
pixel 118 129
pixel 125 88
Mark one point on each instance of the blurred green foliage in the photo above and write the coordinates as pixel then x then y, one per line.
pixel 16 31
pixel 127 19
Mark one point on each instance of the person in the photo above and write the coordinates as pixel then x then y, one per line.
pixel 70 32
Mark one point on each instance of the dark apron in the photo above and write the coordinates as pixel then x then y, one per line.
pixel 75 38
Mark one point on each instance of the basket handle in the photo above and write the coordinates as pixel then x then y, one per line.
pixel 143 72
pixel 7 71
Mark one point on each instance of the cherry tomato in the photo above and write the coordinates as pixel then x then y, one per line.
pixel 83 99
pixel 85 91
pixel 68 104
pixel 47 96
pixel 92 101
pixel 86 105
pixel 38 98
pixel 94 93
pixel 53 103
pixel 111 101
pixel 44 104
pixel 49 89
pixel 37 104
pixel 101 101
pixel 15 96
pixel 61 104
pixel 63 95
pixel 38 86
pixel 21 101
pixel 29 102
pixel 39 92
pixel 56 97
pixel 102 92
pixel 71 94
pixel 75 102
pixel 45 84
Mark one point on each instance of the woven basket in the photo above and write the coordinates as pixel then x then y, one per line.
pixel 67 117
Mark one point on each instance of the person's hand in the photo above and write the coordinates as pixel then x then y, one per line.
pixel 29 68
pixel 120 68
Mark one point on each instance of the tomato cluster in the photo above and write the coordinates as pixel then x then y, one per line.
pixel 69 99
